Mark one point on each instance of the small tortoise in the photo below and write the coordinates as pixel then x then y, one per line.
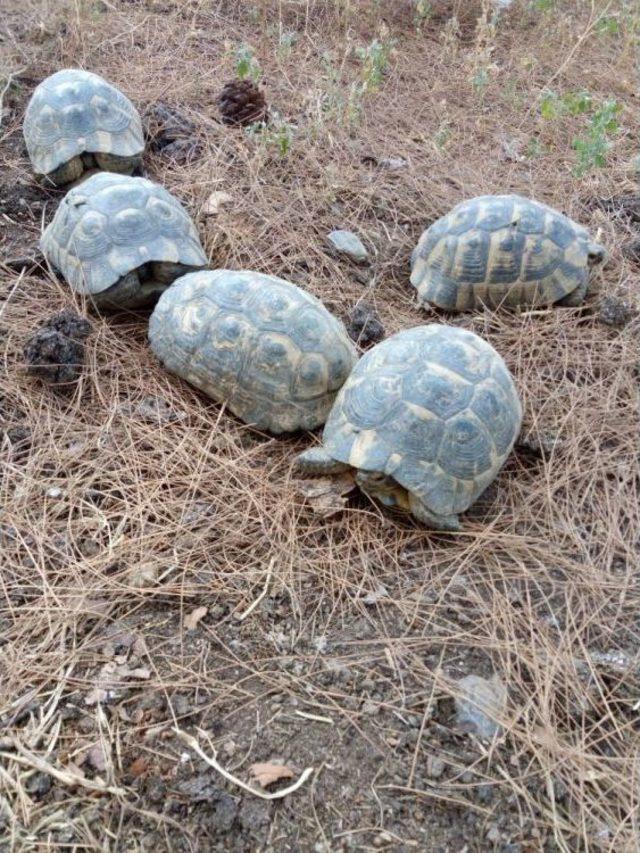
pixel 503 250
pixel 267 349
pixel 76 121
pixel 427 418
pixel 121 240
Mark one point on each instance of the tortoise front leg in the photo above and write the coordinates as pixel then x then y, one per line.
pixel 116 163
pixel 421 512
pixel 316 460
pixel 125 293
pixel 66 173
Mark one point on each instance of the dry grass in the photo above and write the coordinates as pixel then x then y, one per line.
pixel 541 587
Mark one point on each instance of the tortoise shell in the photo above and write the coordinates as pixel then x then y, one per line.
pixel 502 250
pixel 110 225
pixel 74 112
pixel 263 346
pixel 435 408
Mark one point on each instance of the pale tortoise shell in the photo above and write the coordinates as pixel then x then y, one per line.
pixel 272 352
pixel 109 225
pixel 434 407
pixel 502 250
pixel 75 112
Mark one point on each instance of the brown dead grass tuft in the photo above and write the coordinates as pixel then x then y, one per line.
pixel 162 510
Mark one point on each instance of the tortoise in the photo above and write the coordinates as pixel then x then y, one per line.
pixel 503 250
pixel 76 121
pixel 121 240
pixel 426 419
pixel 272 352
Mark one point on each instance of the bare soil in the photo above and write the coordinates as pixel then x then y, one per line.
pixel 140 524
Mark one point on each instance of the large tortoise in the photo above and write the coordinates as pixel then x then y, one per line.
pixel 263 346
pixel 121 240
pixel 76 121
pixel 427 418
pixel 503 250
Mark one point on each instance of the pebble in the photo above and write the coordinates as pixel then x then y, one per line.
pixel 364 326
pixel 435 767
pixel 615 312
pixel 229 747
pixel 348 243
pixel 393 163
pixel 480 704
pixel 493 833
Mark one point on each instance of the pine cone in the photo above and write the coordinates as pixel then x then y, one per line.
pixel 241 102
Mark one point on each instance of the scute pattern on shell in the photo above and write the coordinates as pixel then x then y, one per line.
pixel 500 250
pixel 75 111
pixel 435 407
pixel 269 350
pixel 111 224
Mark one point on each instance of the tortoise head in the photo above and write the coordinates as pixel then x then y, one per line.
pixel 596 254
pixel 383 488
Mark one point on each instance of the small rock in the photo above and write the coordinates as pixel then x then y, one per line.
pixel 480 704
pixel 54 493
pixel 254 814
pixel 626 205
pixel 151 409
pixel 215 201
pixel 39 784
pixel 435 766
pixel 632 251
pixel 615 311
pixel 511 149
pixel 541 443
pixel 96 758
pixel 320 644
pixel 485 793
pixel 182 151
pixel 364 326
pixel 55 351
pixel 376 595
pixel 171 133
pixel 393 163
pixel 19 438
pixel 348 243
pixel 229 748
pixel 493 833
pixel 143 575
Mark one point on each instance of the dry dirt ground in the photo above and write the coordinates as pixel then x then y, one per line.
pixel 139 522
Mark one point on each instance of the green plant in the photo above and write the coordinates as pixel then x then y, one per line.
pixel 480 80
pixel 423 11
pixel 246 64
pixel 592 148
pixel 608 26
pixel 534 148
pixel 443 135
pixel 286 42
pixel 553 106
pixel 543 5
pixel 277 133
pixel 375 62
